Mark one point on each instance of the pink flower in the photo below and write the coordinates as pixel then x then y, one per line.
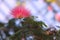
pixel 20 12
pixel 57 17
pixel 49 8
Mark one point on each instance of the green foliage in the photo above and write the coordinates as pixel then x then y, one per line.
pixel 1 25
pixel 29 27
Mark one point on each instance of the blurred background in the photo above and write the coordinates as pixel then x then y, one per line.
pixel 12 13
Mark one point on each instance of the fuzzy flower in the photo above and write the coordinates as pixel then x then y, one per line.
pixel 20 12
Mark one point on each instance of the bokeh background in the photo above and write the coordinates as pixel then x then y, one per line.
pixel 47 11
pixel 44 10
